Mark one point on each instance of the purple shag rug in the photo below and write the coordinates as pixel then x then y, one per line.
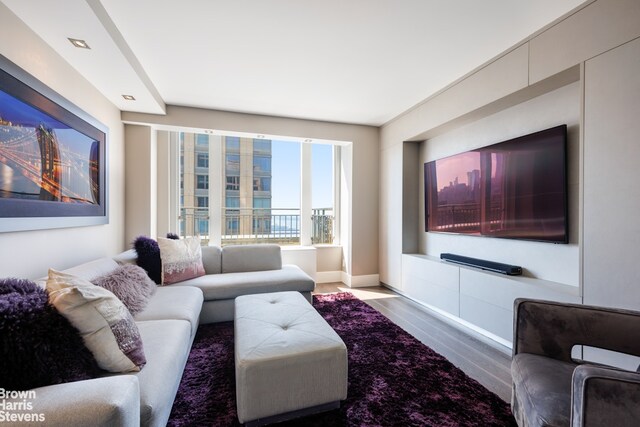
pixel 394 379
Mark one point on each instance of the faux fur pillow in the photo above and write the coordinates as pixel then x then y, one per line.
pixel 130 284
pixel 149 256
pixel 105 324
pixel 38 346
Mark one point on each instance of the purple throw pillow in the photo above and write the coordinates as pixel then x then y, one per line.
pixel 149 255
pixel 38 346
pixel 130 284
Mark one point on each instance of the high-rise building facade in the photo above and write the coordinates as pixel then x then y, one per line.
pixel 246 204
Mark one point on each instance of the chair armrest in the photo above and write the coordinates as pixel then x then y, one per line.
pixel 107 401
pixel 603 396
pixel 552 329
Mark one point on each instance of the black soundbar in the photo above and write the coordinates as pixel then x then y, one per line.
pixel 509 270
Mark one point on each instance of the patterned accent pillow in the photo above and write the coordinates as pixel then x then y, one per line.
pixel 105 324
pixel 181 259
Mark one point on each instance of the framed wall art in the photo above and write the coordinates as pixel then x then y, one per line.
pixel 53 168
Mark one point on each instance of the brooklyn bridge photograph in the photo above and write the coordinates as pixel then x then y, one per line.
pixel 41 158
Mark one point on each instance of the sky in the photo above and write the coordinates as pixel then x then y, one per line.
pixel 285 175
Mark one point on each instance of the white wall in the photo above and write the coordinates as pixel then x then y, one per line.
pixel 612 191
pixel 29 254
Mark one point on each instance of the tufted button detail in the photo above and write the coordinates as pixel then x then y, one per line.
pixel 285 327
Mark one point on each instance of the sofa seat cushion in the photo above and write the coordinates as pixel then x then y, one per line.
pixel 174 303
pixel 167 344
pixel 231 285
pixel 541 390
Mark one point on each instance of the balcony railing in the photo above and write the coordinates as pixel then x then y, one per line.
pixel 245 226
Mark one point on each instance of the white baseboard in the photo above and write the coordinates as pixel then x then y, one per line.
pixel 328 276
pixel 360 281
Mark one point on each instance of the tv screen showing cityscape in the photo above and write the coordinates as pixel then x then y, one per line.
pixel 514 189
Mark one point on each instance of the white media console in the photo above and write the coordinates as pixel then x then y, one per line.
pixel 475 297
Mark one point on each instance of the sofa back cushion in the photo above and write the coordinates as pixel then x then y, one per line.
pixel 241 258
pixel 212 259
pixel 92 269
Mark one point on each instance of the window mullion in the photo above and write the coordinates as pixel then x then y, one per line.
pixel 305 195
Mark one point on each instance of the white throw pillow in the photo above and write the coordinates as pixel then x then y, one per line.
pixel 181 259
pixel 105 324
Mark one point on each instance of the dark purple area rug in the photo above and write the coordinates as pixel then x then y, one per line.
pixel 394 379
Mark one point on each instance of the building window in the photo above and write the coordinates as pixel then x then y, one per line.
pixel 202 182
pixel 261 165
pixel 232 202
pixel 202 139
pixel 233 183
pixel 203 160
pixel 261 203
pixel 262 184
pixel 202 201
pixel 202 225
pixel 232 164
pixel 261 146
pixel 232 143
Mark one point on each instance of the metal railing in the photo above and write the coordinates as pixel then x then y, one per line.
pixel 246 225
pixel 461 217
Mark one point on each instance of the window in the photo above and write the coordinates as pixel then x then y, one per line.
pixel 202 182
pixel 203 160
pixel 232 202
pixel 262 184
pixel 261 146
pixel 203 201
pixel 233 183
pixel 202 139
pixel 232 143
pixel 261 165
pixel 232 164
pixel 263 206
pixel 322 194
pixel 261 203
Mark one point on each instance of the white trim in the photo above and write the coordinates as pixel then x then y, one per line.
pixel 360 281
pixel 328 276
pixel 305 195
pixel 216 192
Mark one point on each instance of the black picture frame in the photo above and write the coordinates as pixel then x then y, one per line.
pixel 53 157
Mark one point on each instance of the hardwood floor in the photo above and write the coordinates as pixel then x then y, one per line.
pixel 485 363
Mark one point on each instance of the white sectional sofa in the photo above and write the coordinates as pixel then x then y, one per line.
pixel 167 327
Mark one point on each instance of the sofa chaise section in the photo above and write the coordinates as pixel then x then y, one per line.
pixel 236 270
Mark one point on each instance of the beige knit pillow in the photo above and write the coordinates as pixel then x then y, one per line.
pixel 105 324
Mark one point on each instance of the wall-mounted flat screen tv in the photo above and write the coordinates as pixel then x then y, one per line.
pixel 515 189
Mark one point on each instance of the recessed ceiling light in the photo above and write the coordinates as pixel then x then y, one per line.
pixel 129 97
pixel 79 43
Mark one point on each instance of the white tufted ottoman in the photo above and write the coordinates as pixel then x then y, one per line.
pixel 289 361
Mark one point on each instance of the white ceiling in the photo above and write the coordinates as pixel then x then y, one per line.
pixel 353 61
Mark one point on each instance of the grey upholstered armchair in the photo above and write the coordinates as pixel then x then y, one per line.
pixel 552 389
